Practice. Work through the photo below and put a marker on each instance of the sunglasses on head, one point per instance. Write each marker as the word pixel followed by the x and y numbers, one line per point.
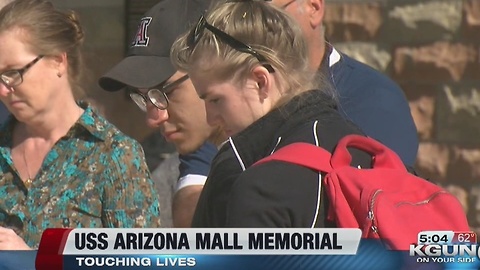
pixel 197 33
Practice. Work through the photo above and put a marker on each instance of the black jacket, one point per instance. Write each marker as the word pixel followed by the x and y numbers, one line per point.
pixel 273 194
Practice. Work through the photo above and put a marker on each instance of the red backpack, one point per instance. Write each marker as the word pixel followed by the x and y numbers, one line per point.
pixel 386 201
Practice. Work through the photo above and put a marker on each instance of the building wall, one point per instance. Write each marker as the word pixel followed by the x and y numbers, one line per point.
pixel 431 49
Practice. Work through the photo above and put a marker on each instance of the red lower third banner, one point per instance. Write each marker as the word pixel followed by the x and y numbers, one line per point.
pixel 50 252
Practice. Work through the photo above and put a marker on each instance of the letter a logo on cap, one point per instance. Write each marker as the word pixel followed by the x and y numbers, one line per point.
pixel 141 37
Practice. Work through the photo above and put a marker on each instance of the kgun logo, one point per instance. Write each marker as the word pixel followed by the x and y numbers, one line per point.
pixel 445 253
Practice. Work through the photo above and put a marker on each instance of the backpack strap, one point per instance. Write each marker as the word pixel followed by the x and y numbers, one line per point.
pixel 304 154
pixel 312 157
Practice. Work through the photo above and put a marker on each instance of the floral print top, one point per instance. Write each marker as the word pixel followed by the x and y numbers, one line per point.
pixel 94 176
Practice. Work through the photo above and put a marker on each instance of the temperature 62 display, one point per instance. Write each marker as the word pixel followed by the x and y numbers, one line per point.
pixel 446 237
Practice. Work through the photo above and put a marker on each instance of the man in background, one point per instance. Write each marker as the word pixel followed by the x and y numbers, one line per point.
pixel 366 97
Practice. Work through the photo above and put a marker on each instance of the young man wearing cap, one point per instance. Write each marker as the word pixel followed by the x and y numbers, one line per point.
pixel 170 102
pixel 368 98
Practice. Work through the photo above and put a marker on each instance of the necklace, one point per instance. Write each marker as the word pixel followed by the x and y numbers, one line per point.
pixel 29 180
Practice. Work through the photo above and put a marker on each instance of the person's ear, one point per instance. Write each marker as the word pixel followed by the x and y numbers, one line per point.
pixel 60 64
pixel 263 81
pixel 315 11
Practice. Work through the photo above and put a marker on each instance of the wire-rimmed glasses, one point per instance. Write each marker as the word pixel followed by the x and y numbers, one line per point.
pixel 157 95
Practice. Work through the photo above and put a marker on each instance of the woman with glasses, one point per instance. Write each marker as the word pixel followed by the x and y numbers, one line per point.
pixel 248 61
pixel 61 164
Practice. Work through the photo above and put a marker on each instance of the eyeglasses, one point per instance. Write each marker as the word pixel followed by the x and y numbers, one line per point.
pixel 197 33
pixel 158 97
pixel 14 77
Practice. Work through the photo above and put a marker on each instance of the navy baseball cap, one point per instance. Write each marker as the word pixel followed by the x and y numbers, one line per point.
pixel 147 63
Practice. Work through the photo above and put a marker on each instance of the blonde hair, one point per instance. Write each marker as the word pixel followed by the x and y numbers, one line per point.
pixel 48 31
pixel 268 30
